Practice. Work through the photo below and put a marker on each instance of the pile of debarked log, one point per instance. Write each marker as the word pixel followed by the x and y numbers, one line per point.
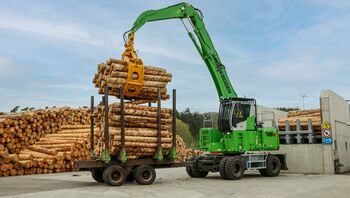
pixel 51 154
pixel 140 130
pixel 19 130
pixel 303 116
pixel 114 72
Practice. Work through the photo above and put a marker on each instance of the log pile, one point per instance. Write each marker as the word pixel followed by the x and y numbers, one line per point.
pixel 52 154
pixel 303 116
pixel 19 130
pixel 114 72
pixel 140 130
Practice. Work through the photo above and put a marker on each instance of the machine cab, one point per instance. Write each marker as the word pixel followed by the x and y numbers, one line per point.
pixel 234 114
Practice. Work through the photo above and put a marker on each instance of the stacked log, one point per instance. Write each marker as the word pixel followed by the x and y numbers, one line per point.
pixel 19 130
pixel 114 72
pixel 52 154
pixel 140 130
pixel 184 153
pixel 303 116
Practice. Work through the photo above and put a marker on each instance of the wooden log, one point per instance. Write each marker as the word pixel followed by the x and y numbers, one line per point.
pixel 142 139
pixel 4 154
pixel 25 157
pixel 133 119
pixel 141 132
pixel 147 77
pixel 42 150
pixel 140 124
pixel 140 107
pixel 142 144
pixel 143 113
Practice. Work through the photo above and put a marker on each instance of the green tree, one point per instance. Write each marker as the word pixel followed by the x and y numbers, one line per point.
pixel 194 120
pixel 14 110
pixel 183 130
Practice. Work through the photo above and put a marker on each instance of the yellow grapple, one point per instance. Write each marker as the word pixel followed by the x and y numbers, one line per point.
pixel 135 65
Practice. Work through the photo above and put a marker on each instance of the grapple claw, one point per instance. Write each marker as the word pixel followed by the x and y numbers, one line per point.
pixel 135 65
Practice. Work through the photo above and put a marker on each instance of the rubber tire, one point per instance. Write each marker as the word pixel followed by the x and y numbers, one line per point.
pixel 97 175
pixel 234 168
pixel 193 172
pixel 189 172
pixel 222 166
pixel 262 172
pixel 273 166
pixel 109 172
pixel 130 177
pixel 140 178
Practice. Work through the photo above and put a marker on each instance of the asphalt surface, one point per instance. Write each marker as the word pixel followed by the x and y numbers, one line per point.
pixel 175 183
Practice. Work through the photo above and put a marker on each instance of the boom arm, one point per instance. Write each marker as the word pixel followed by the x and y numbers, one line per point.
pixel 206 48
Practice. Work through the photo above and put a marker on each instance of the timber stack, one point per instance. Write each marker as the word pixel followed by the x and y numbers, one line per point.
pixel 303 116
pixel 140 130
pixel 19 130
pixel 51 154
pixel 114 72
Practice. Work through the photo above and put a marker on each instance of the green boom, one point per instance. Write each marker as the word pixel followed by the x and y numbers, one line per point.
pixel 205 48
pixel 227 138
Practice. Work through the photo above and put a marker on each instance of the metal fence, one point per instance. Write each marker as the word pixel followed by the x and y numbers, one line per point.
pixel 299 135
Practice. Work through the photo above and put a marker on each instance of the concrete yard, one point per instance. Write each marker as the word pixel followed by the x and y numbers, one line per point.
pixel 175 183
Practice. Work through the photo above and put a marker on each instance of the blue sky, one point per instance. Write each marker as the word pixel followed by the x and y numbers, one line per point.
pixel 273 50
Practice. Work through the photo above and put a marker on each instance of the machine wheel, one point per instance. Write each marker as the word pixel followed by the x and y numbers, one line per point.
pixel 193 172
pixel 234 168
pixel 273 166
pixel 189 172
pixel 222 166
pixel 97 175
pixel 144 174
pixel 114 175
pixel 262 172
pixel 130 177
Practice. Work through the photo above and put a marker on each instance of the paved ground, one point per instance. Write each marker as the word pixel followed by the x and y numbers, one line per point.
pixel 175 183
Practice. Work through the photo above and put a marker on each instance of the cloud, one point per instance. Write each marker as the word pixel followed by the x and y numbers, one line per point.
pixel 7 68
pixel 339 4
pixel 184 55
pixel 46 28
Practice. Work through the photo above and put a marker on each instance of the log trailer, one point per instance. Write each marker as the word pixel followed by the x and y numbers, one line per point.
pixel 240 143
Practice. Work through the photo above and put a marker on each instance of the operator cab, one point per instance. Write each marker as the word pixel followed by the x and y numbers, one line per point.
pixel 233 114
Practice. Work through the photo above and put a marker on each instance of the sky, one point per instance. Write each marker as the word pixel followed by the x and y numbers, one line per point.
pixel 274 51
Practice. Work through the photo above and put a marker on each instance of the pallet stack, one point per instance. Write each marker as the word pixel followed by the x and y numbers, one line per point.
pixel 114 72
pixel 51 154
pixel 303 116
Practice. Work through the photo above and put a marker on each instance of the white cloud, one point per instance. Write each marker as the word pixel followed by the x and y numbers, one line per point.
pixel 7 68
pixel 184 55
pixel 298 70
pixel 342 4
pixel 46 28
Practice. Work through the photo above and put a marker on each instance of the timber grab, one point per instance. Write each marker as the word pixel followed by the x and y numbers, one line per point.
pixel 135 65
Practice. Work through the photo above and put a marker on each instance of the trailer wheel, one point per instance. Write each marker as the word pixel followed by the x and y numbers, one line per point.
pixel 130 177
pixel 114 175
pixel 144 174
pixel 97 175
pixel 234 168
pixel 273 166
pixel 222 166
pixel 194 172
